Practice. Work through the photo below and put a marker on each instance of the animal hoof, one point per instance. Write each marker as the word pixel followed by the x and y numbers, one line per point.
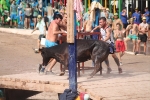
pixel 109 70
pixel 40 66
pixel 120 70
pixel 61 74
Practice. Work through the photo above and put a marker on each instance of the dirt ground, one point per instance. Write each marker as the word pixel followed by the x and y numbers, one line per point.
pixel 17 56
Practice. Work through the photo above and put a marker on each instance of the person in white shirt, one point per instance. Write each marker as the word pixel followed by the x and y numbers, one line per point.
pixel 42 28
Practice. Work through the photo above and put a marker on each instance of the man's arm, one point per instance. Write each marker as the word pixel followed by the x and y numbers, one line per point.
pixel 108 32
pixel 98 27
pixel 55 28
pixel 34 30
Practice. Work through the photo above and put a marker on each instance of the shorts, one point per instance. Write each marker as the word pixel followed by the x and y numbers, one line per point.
pixel 34 16
pixel 50 44
pixel 78 23
pixel 28 16
pixel 142 37
pixel 41 36
pixel 13 16
pixel 120 47
pixel 133 36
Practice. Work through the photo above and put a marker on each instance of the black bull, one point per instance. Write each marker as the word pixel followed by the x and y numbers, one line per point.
pixel 96 50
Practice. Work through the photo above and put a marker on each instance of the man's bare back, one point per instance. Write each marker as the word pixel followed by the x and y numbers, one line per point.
pixel 51 36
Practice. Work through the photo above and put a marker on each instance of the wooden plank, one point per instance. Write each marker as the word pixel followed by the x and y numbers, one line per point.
pixel 70 22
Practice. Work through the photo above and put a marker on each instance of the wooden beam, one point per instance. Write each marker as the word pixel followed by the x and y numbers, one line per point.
pixel 70 22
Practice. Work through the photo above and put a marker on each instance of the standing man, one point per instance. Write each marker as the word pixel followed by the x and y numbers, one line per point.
pixel 106 32
pixel 142 37
pixel 42 28
pixel 137 17
pixel 13 14
pixel 51 40
pixel 115 21
pixel 124 18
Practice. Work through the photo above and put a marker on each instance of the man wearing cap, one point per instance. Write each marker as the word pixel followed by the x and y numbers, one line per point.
pixel 42 28
pixel 110 15
pixel 115 21
pixel 142 37
pixel 137 17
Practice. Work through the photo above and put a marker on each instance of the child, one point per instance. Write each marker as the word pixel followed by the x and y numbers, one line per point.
pixel 120 46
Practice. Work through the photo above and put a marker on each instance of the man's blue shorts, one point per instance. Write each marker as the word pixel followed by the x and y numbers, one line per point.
pixel 50 44
pixel 13 16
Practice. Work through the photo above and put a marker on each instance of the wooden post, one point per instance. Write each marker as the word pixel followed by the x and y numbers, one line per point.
pixel 71 32
pixel 114 6
pixel 89 3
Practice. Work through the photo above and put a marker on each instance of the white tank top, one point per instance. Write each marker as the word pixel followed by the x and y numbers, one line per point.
pixel 103 34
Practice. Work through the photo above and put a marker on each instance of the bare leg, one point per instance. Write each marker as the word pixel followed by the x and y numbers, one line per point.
pixel 145 45
pixel 26 23
pixel 34 22
pixel 38 44
pixel 52 63
pixel 138 45
pixel 10 23
pixel 15 24
pixel 119 56
pixel 125 42
pixel 134 45
pixel 117 62
pixel 108 66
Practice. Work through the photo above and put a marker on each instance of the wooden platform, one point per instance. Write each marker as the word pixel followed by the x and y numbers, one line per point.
pixel 99 87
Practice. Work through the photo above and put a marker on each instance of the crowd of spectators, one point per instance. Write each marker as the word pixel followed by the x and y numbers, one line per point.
pixel 23 13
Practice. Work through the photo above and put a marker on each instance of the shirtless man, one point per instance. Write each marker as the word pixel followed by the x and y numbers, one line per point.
pixel 51 39
pixel 142 37
pixel 63 27
pixel 131 34
pixel 115 21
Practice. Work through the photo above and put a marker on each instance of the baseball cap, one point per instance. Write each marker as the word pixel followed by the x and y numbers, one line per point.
pixel 115 14
pixel 136 8
pixel 107 9
pixel 39 16
pixel 143 18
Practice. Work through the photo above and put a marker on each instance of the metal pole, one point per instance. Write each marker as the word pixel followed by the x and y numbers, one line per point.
pixel 120 7
pixel 101 2
pixel 110 6
pixel 137 3
pixel 146 3
pixel 141 6
pixel 127 3
pixel 85 3
pixel 105 3
pixel 114 6
pixel 132 6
